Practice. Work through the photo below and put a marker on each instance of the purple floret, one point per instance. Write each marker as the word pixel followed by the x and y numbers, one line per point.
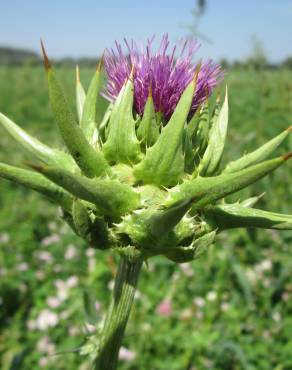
pixel 166 74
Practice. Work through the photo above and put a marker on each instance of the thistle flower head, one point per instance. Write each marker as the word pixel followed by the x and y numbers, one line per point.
pixel 136 186
pixel 164 73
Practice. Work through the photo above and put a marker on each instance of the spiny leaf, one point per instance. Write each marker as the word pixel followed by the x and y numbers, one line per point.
pixel 81 219
pixel 35 147
pixel 91 228
pixel 148 130
pixel 188 152
pixel 258 155
pixel 88 121
pixel 249 202
pixel 201 129
pixel 104 124
pixel 164 161
pixel 37 182
pixel 193 124
pixel 110 197
pixel 213 154
pixel 122 145
pixel 157 229
pixel 195 250
pixel 91 162
pixel 210 189
pixel 80 95
pixel 228 216
pixel 163 221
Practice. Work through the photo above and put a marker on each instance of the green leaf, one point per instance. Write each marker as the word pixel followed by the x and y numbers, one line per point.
pixel 91 162
pixel 258 155
pixel 249 202
pixel 156 230
pixel 195 250
pixel 188 152
pixel 88 121
pixel 200 127
pixel 110 196
pixel 243 282
pixel 164 161
pixel 80 95
pixel 104 123
pixel 148 130
pixel 81 219
pixel 35 147
pixel 91 315
pixel 122 145
pixel 207 190
pixel 163 221
pixel 213 154
pixel 37 182
pixel 193 124
pixel 91 228
pixel 228 216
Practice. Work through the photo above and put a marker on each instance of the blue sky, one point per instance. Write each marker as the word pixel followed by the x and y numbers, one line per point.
pixel 86 27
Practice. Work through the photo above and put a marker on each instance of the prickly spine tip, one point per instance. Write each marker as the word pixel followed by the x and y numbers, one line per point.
pixel 287 156
pixel 100 63
pixel 47 63
pixel 131 76
pixel 150 91
pixel 34 166
pixel 197 71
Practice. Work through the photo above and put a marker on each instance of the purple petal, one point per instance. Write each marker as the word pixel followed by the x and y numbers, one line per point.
pixel 166 74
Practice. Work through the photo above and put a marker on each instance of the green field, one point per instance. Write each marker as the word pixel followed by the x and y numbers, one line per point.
pixel 231 309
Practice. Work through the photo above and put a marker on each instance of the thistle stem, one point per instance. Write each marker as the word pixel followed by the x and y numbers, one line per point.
pixel 118 314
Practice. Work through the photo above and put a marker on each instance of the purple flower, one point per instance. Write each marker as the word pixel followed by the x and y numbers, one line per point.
pixel 164 74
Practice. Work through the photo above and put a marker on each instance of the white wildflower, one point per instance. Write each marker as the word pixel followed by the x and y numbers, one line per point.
pixel 72 281
pixel 199 302
pixel 71 252
pixel 4 238
pixel 90 252
pixel 31 325
pixel 46 319
pixel 186 269
pixel 126 355
pixel 276 316
pixel 23 266
pixel 225 306
pixel 43 361
pixel 51 239
pixel 53 302
pixel 211 296
pixel 45 345
pixel 44 256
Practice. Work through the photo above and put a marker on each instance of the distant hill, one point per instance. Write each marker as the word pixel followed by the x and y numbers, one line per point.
pixel 17 56
pixel 9 55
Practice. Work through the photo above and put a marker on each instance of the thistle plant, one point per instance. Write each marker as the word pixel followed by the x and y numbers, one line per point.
pixel 147 178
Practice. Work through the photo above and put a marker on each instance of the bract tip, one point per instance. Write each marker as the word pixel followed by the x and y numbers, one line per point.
pixel 287 156
pixel 46 59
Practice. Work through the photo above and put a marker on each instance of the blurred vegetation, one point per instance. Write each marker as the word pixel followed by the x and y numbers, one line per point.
pixel 230 310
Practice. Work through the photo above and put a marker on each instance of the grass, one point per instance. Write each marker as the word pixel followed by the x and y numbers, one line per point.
pixel 231 309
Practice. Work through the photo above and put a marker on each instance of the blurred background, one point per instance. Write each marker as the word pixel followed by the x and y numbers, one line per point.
pixel 232 308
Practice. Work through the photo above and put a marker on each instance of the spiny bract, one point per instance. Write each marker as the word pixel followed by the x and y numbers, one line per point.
pixel 143 183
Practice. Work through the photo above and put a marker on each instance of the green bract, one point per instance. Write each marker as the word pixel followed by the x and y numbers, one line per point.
pixel 136 186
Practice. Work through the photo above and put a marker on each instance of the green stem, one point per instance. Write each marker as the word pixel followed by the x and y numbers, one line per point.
pixel 118 314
